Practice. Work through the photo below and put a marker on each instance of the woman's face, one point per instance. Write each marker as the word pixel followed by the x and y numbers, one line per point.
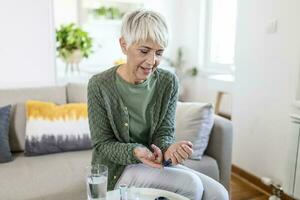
pixel 142 59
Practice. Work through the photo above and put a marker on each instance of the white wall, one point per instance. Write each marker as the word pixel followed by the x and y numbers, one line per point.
pixel 27 43
pixel 266 71
pixel 65 11
pixel 186 31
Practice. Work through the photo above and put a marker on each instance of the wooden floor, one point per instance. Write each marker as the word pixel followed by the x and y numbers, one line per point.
pixel 240 190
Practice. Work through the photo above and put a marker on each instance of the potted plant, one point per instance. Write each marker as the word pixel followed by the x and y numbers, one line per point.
pixel 178 64
pixel 108 12
pixel 73 44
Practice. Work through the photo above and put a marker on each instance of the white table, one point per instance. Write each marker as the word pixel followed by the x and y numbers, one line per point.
pixel 146 194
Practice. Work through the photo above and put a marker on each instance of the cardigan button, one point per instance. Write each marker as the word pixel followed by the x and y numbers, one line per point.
pixel 115 177
pixel 126 124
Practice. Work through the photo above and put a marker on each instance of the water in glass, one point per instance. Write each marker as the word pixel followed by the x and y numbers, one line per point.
pixel 96 187
pixel 96 182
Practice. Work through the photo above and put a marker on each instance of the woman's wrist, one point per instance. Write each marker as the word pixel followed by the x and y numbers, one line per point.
pixel 135 151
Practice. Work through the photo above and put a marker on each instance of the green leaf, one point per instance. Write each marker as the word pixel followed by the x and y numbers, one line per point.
pixel 69 37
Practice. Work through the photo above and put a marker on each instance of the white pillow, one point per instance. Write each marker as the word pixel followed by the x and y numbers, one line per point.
pixel 194 122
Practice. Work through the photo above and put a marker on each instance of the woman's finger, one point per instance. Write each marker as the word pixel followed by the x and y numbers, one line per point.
pixel 157 152
pixel 187 149
pixel 151 163
pixel 174 160
pixel 182 153
pixel 179 159
pixel 185 142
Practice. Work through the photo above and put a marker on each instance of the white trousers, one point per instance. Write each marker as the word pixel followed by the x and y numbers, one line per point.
pixel 179 179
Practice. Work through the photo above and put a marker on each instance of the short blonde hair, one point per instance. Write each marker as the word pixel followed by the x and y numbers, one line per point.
pixel 141 25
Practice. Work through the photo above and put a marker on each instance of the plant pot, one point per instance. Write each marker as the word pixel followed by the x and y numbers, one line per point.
pixel 73 60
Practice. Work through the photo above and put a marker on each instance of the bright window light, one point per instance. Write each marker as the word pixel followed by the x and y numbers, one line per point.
pixel 221 33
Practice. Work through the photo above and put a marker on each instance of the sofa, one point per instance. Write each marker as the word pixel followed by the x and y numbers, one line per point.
pixel 62 175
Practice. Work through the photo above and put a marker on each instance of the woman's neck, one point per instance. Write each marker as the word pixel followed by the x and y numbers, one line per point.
pixel 127 75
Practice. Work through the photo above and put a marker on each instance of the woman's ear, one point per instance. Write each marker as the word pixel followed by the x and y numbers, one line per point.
pixel 123 45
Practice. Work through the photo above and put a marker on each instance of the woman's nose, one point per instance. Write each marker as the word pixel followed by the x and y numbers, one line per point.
pixel 151 59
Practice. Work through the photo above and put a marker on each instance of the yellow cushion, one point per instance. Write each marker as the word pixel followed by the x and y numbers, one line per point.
pixel 52 128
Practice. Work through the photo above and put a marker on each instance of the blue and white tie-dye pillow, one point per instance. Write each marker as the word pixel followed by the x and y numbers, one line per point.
pixel 52 128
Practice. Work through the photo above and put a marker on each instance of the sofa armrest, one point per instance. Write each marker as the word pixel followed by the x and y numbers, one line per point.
pixel 220 148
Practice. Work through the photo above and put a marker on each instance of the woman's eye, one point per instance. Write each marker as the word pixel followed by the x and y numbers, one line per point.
pixel 159 53
pixel 144 51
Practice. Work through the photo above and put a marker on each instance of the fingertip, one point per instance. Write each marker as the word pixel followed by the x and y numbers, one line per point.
pixel 190 144
pixel 173 159
pixel 157 166
pixel 156 147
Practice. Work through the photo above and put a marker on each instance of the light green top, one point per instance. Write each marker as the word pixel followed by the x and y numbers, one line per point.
pixel 136 98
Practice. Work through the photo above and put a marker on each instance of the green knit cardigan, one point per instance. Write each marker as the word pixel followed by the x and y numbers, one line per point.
pixel 109 119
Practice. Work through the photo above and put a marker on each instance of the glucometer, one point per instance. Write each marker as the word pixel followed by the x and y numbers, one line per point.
pixel 167 163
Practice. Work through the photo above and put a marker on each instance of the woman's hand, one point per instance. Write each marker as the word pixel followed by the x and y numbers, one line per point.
pixel 179 152
pixel 147 157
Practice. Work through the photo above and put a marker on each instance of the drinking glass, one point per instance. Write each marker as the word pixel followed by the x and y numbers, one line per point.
pixel 96 182
pixel 130 193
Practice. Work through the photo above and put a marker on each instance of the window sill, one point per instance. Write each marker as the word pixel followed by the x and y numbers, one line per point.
pixel 222 77
pixel 295 118
pixel 221 82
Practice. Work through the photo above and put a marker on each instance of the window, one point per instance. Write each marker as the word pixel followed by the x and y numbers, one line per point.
pixel 220 27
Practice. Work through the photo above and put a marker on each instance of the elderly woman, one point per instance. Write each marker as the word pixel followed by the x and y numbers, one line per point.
pixel 132 116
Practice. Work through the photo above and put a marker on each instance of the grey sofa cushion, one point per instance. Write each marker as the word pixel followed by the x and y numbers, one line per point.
pixel 194 122
pixel 17 98
pixel 5 154
pixel 76 93
pixel 54 176
pixel 207 165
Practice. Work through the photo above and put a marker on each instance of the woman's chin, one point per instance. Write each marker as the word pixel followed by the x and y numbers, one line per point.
pixel 143 76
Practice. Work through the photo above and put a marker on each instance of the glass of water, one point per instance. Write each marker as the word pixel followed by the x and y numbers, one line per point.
pixel 128 193
pixel 96 182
